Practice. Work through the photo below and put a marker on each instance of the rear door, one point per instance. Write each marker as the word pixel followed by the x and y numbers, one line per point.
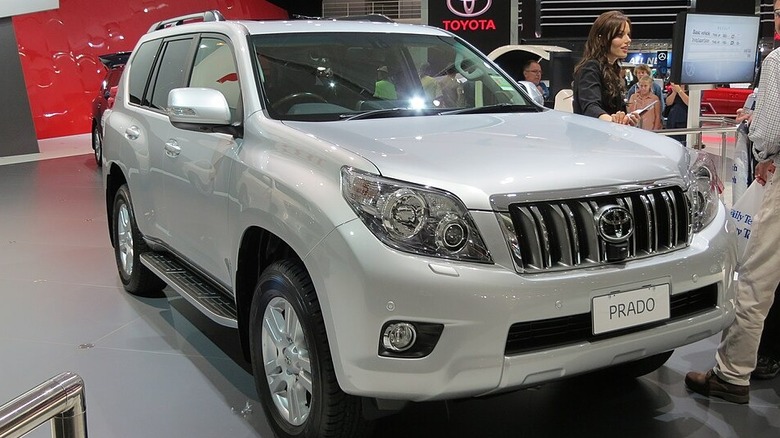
pixel 127 138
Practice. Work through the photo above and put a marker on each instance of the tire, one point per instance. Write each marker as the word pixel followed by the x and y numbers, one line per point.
pixel 287 334
pixel 129 244
pixel 97 144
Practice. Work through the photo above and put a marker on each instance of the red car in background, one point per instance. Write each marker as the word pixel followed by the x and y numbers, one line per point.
pixel 114 63
pixel 723 101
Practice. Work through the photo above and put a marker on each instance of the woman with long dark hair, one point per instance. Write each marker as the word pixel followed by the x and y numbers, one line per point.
pixel 598 83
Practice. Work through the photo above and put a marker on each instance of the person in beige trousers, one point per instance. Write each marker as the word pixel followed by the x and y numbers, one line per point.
pixel 759 276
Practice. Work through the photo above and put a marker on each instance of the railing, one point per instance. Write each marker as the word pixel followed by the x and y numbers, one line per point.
pixel 397 10
pixel 726 126
pixel 60 399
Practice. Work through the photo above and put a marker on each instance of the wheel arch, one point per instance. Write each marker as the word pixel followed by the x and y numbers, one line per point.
pixel 259 248
pixel 114 180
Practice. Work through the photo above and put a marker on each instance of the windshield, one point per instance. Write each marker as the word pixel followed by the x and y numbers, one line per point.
pixel 337 76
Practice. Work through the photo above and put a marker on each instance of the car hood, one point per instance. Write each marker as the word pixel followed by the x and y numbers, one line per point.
pixel 480 155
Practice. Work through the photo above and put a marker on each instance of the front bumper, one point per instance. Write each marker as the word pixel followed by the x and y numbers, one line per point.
pixel 362 284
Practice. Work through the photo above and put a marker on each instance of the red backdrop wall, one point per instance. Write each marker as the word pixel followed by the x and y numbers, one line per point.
pixel 59 50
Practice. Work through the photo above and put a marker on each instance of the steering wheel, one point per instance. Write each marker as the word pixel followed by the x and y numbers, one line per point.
pixel 288 101
pixel 472 75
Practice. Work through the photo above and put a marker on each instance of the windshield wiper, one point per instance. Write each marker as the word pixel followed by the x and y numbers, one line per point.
pixel 389 112
pixel 497 108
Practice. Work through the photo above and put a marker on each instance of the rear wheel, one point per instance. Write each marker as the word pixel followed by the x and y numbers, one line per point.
pixel 97 144
pixel 128 247
pixel 291 360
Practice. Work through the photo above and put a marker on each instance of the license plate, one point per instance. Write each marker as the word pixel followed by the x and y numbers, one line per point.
pixel 631 308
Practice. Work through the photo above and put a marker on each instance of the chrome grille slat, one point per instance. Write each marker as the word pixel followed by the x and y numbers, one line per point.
pixel 630 207
pixel 592 240
pixel 544 237
pixel 574 234
pixel 656 224
pixel 562 234
pixel 558 224
pixel 528 229
pixel 593 207
pixel 670 208
pixel 647 244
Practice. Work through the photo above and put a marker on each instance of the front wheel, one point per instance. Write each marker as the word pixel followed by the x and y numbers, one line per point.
pixel 128 247
pixel 291 360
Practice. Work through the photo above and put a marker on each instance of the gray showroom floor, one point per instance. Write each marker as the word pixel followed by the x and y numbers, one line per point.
pixel 156 368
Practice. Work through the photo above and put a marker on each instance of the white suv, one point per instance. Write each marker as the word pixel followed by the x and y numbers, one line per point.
pixel 384 216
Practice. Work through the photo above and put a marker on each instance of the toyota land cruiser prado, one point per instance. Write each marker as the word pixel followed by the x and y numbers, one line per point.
pixel 445 238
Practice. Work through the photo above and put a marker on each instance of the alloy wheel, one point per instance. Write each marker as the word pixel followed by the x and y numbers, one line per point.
pixel 124 233
pixel 286 361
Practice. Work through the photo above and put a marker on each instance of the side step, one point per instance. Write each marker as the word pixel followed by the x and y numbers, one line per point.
pixel 207 298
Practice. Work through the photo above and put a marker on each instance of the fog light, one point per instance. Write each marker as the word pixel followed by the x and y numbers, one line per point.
pixel 399 336
pixel 408 340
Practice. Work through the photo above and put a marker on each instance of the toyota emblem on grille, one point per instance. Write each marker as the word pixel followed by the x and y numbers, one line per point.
pixel 614 223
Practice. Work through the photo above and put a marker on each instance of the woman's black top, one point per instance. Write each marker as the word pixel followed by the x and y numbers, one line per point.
pixel 590 96
pixel 678 113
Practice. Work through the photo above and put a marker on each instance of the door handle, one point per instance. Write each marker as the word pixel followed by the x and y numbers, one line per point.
pixel 132 132
pixel 172 148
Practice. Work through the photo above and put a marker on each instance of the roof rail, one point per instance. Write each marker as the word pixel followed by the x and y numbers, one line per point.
pixel 184 19
pixel 377 18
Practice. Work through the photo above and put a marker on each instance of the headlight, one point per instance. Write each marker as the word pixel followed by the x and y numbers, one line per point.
pixel 415 219
pixel 703 190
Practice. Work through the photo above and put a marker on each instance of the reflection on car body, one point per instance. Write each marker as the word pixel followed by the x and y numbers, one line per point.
pixel 114 64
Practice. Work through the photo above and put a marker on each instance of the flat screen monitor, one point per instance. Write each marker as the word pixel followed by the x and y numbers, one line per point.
pixel 714 49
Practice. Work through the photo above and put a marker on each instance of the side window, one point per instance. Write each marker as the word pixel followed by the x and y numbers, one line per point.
pixel 142 63
pixel 171 72
pixel 215 67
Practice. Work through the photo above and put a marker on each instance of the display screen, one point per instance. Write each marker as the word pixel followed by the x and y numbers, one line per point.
pixel 714 49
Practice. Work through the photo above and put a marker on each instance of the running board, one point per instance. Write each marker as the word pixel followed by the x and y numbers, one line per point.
pixel 207 298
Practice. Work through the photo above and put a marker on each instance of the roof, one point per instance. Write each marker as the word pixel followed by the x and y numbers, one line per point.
pixel 302 26
pixel 259 27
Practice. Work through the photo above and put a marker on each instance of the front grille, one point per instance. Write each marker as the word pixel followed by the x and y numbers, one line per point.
pixel 529 336
pixel 562 234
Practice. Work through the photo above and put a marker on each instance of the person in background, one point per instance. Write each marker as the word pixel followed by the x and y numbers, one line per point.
pixel 651 119
pixel 677 117
pixel 768 362
pixel 641 71
pixel 452 90
pixel 384 89
pixel 736 356
pixel 429 84
pixel 598 78
pixel 532 72
pixel 629 77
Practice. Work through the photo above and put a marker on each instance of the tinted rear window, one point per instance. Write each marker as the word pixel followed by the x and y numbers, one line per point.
pixel 139 70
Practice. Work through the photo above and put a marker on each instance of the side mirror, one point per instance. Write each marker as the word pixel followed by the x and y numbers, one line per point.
pixel 531 90
pixel 190 107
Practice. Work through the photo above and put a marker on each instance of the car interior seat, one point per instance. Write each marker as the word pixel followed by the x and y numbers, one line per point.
pixel 564 101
